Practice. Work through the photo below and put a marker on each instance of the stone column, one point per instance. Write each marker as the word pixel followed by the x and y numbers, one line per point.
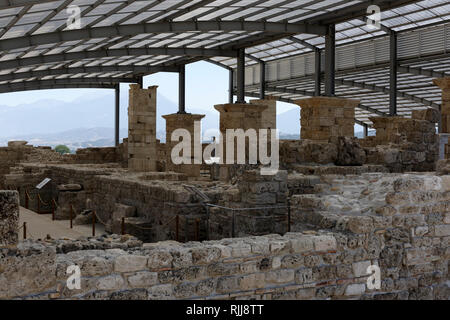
pixel 9 218
pixel 184 121
pixel 326 117
pixel 269 115
pixel 142 152
pixel 238 116
pixel 444 84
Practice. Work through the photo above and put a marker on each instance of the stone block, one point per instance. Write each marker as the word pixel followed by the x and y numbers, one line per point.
pixel 324 243
pixel 355 289
pixel 130 263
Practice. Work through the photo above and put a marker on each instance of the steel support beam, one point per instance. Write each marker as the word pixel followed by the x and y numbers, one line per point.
pixel 30 85
pixel 318 72
pixel 131 30
pixel 241 76
pixel 262 80
pixel 366 130
pixel 86 70
pixel 97 54
pixel 330 61
pixel 117 115
pixel 230 85
pixel 182 90
pixel 385 90
pixel 393 73
pixel 311 94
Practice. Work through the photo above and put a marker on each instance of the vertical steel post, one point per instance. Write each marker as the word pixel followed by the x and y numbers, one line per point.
pixel 117 116
pixel 182 90
pixel 330 60
pixel 393 74
pixel 230 86
pixel 241 76
pixel 141 82
pixel 262 80
pixel 318 72
pixel 366 130
pixel 24 230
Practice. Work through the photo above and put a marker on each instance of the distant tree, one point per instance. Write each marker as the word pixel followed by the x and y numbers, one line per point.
pixel 62 149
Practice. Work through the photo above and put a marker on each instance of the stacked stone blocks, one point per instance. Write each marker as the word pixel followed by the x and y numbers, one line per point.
pixel 325 117
pixel 187 122
pixel 142 149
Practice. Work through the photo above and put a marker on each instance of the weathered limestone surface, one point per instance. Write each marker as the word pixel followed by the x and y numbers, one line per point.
pixel 325 117
pixel 184 121
pixel 9 218
pixel 269 115
pixel 301 265
pixel 403 144
pixel 240 116
pixel 265 196
pixel 142 150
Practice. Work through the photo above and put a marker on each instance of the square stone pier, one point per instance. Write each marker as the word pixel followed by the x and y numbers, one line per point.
pixel 142 148
pixel 326 117
pixel 191 123
pixel 241 116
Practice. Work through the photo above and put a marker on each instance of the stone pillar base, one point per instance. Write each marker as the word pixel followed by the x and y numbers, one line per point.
pixel 184 121
pixel 326 117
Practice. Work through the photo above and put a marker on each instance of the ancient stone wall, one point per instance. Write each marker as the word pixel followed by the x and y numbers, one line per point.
pixel 156 197
pixel 9 217
pixel 97 155
pixel 403 144
pixel 402 221
pixel 308 265
pixel 256 207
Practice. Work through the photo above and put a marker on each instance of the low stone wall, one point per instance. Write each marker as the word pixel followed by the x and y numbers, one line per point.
pixel 308 265
pixel 97 155
pixel 9 217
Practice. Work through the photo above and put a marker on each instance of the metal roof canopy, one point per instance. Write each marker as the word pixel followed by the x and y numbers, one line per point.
pixel 122 40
